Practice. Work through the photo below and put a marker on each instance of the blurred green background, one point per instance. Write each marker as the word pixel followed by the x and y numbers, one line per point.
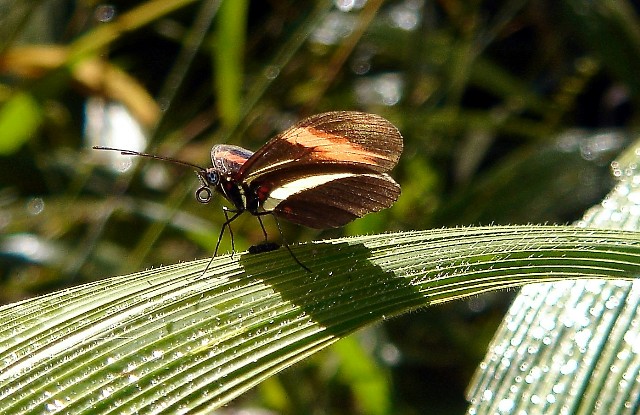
pixel 511 113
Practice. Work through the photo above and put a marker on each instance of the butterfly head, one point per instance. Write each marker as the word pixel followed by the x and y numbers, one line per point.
pixel 209 178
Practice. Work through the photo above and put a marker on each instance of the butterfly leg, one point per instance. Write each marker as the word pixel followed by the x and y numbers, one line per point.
pixel 264 231
pixel 226 224
pixel 284 241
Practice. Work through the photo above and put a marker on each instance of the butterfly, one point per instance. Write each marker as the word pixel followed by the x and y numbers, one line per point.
pixel 322 172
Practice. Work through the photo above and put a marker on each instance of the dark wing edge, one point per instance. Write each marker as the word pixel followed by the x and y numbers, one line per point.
pixel 339 137
pixel 340 201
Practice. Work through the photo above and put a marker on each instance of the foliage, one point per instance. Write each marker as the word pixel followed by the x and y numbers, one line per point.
pixel 178 339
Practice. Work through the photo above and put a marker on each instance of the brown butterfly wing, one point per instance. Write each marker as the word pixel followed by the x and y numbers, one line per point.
pixel 339 201
pixel 341 137
pixel 326 170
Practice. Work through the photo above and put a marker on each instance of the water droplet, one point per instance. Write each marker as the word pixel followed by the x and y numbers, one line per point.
pixel 349 5
pixel 55 405
pixel 106 392
pixel 385 89
pixel 406 15
pixel 361 66
pixel 35 206
pixel 105 13
pixel 334 27
pixel 505 405
pixel 271 72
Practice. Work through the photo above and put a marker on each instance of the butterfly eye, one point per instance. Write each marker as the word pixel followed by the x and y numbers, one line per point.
pixel 212 177
pixel 203 194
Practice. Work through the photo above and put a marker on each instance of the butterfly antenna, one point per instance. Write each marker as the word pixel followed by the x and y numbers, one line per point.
pixel 151 156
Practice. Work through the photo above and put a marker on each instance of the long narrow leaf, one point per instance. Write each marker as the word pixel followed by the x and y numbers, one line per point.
pixel 174 340
pixel 572 347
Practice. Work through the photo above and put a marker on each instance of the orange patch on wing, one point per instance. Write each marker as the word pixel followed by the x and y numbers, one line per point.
pixel 231 156
pixel 331 147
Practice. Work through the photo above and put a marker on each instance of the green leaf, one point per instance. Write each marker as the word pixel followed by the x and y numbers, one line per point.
pixel 20 118
pixel 174 340
pixel 570 347
pixel 228 58
pixel 368 382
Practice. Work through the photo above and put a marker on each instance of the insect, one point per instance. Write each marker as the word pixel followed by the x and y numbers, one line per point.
pixel 322 172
